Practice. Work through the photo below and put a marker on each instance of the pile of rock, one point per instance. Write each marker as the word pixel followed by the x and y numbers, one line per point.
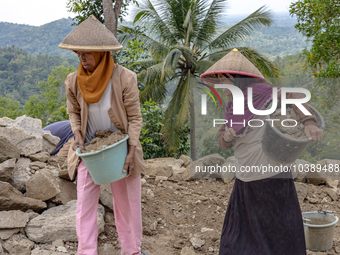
pixel 36 205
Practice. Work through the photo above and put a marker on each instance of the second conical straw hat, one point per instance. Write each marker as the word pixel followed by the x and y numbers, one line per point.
pixel 90 35
pixel 232 63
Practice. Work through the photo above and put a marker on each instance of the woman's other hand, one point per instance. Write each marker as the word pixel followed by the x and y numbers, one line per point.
pixel 78 141
pixel 130 161
pixel 313 133
pixel 229 135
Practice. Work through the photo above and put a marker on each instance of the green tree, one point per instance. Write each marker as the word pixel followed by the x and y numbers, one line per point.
pixel 50 106
pixel 100 8
pixel 151 137
pixel 10 108
pixel 184 40
pixel 319 21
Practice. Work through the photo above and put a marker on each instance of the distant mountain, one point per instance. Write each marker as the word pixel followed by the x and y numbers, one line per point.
pixel 35 40
pixel 279 39
pixel 279 18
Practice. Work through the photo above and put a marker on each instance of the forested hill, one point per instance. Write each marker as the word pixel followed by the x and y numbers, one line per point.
pixel 279 39
pixel 35 40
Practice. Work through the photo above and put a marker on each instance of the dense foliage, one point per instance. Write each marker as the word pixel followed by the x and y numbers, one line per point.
pixel 50 105
pixel 20 72
pixel 319 21
pixel 151 137
pixel 86 8
pixel 277 40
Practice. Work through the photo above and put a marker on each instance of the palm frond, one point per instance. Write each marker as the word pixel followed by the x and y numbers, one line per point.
pixel 187 54
pixel 156 49
pixel 255 21
pixel 210 21
pixel 170 63
pixel 177 113
pixel 154 88
pixel 156 20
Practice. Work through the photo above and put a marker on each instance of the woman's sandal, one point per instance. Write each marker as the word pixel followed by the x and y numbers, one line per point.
pixel 142 253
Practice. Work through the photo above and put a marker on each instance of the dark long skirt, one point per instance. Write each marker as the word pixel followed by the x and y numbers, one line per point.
pixel 263 218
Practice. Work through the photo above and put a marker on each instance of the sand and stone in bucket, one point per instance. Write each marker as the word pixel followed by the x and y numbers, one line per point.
pixel 103 139
pixel 105 156
pixel 297 132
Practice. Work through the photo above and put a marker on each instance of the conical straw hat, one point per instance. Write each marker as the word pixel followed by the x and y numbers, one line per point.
pixel 232 63
pixel 90 35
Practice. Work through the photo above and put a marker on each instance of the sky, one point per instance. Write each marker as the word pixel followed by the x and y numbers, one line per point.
pixel 39 12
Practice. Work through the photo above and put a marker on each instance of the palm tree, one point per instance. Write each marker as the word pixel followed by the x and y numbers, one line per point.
pixel 184 39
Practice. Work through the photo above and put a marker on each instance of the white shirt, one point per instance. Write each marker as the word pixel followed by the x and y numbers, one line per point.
pixel 98 118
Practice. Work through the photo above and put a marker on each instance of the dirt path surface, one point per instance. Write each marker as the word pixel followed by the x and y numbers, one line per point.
pixel 190 212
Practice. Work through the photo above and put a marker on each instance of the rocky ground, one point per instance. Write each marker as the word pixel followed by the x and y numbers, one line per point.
pixel 183 212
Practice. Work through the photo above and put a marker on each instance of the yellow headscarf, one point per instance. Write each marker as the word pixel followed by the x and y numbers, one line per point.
pixel 93 84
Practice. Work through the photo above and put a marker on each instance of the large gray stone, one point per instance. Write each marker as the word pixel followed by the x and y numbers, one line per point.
pixel 27 135
pixel 58 223
pixel 21 174
pixel 18 244
pixel 13 219
pixel 49 142
pixel 68 192
pixel 229 169
pixel 13 199
pixel 186 160
pixel 162 166
pixel 36 165
pixel 7 233
pixel 6 169
pixel 41 156
pixel 106 197
pixel 298 171
pixel 301 190
pixel 43 186
pixel 332 166
pixel 7 149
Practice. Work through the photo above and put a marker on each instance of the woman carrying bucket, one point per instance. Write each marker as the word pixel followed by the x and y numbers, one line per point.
pixel 263 215
pixel 102 95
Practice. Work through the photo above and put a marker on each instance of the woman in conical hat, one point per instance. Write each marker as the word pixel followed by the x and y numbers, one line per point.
pixel 102 95
pixel 263 214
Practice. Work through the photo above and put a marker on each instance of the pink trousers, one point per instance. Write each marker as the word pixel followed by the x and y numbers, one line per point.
pixel 126 207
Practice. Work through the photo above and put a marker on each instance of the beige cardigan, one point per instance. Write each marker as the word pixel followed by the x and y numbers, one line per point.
pixel 124 113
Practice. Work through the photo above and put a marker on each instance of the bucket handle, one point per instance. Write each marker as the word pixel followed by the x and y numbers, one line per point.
pixel 325 211
pixel 305 219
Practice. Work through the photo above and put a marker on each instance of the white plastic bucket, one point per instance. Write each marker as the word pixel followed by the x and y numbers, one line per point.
pixel 319 229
